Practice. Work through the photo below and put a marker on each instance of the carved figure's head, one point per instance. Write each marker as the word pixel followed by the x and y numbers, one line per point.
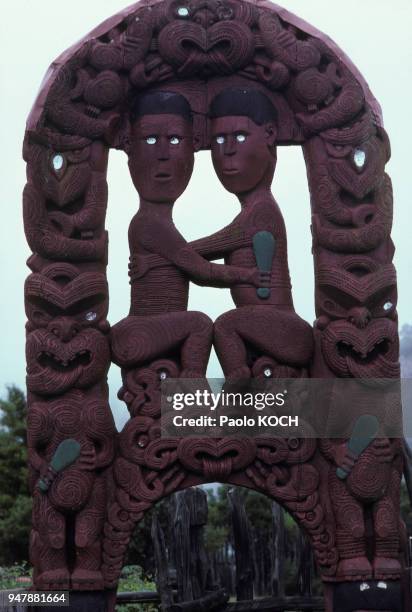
pixel 357 308
pixel 66 343
pixel 161 155
pixel 243 139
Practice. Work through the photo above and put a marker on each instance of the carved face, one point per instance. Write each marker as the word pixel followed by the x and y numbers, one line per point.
pixel 56 363
pixel 358 315
pixel 83 299
pixel 63 176
pixel 161 157
pixel 358 294
pixel 241 153
pixel 63 307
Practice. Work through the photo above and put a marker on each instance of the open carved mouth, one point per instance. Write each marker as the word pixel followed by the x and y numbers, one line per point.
pixel 49 360
pixel 163 176
pixel 346 349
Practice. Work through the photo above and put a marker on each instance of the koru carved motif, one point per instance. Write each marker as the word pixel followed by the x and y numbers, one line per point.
pixel 160 81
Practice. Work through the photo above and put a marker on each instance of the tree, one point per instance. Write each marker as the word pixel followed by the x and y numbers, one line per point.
pixel 15 501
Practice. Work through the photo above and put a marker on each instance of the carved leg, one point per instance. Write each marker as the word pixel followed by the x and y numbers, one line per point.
pixel 267 329
pixel 89 523
pixel 137 340
pixel 386 563
pixel 350 532
pixel 47 546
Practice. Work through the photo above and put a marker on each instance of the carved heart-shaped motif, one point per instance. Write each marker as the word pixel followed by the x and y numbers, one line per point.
pixel 86 285
pixel 224 47
pixel 216 458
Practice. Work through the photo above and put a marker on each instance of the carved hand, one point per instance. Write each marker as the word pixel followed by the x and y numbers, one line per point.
pixel 382 449
pixel 88 458
pixel 344 458
pixel 259 278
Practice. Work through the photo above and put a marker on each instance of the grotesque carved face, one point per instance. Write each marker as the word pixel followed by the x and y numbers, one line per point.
pixel 358 294
pixel 358 316
pixel 67 312
pixel 242 153
pixel 161 157
pixel 63 176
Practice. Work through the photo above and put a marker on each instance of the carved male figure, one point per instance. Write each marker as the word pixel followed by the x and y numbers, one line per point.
pixel 66 538
pixel 358 335
pixel 161 161
pixel 244 157
pixel 67 354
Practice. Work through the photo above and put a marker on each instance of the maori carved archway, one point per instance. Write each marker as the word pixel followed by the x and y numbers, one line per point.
pixel 203 68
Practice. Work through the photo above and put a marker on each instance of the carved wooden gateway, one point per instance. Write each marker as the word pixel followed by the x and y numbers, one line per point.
pixel 161 80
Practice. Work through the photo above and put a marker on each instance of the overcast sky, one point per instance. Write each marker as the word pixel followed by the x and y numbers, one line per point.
pixel 373 33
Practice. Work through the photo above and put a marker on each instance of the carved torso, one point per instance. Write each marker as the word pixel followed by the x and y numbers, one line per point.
pixel 157 286
pixel 265 215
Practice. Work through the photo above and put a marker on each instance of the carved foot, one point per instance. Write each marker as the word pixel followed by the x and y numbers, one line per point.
pixel 87 580
pixel 358 568
pixel 53 580
pixel 386 568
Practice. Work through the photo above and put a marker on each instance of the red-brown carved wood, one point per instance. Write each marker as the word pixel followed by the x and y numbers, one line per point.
pixel 161 80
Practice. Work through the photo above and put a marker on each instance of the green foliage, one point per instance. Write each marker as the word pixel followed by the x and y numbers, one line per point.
pixel 132 580
pixel 9 576
pixel 258 509
pixel 15 502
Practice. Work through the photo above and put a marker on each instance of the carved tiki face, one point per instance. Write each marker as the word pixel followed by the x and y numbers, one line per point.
pixel 62 173
pixel 161 157
pixel 66 317
pixel 357 309
pixel 241 152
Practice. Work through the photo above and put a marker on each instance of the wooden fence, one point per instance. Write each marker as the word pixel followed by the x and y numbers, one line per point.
pixel 251 569
pixel 190 579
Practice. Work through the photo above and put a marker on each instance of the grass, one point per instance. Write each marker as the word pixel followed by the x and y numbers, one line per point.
pixel 131 580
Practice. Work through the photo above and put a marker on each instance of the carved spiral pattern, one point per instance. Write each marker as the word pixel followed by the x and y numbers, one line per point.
pixel 320 103
pixel 105 90
pixel 313 87
pixel 71 490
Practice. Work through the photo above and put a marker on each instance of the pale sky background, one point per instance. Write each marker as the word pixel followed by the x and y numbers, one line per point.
pixel 375 34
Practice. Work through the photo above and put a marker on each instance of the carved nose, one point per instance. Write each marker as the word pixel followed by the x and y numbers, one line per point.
pixel 360 317
pixel 64 328
pixel 163 150
pixel 230 147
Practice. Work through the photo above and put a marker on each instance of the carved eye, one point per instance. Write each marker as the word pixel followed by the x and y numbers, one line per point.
pixel 329 305
pixel 241 137
pixel 143 441
pixel 151 140
pixel 387 306
pixel 90 316
pixel 183 11
pixel 220 140
pixel 57 161
pixel 175 140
